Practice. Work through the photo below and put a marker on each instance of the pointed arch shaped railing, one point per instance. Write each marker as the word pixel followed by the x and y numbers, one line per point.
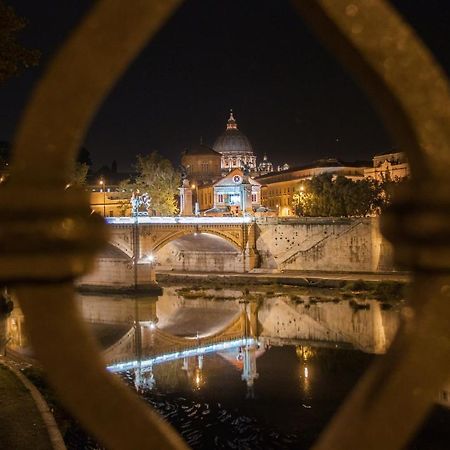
pixel 42 255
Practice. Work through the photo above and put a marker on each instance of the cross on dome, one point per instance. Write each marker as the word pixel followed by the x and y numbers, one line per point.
pixel 231 125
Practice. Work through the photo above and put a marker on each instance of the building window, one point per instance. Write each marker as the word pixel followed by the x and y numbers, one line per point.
pixel 254 198
pixel 220 198
pixel 205 167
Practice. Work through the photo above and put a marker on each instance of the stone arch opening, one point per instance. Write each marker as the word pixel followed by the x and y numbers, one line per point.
pixel 199 252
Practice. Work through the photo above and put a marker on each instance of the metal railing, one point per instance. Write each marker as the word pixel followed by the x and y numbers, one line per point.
pixel 43 255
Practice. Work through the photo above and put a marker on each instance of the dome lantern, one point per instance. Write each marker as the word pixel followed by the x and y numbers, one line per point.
pixel 231 124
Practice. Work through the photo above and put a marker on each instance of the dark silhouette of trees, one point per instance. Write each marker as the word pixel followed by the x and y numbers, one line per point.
pixel 14 57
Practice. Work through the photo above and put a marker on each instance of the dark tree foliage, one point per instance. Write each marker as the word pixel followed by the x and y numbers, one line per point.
pixel 326 196
pixel 84 157
pixel 5 150
pixel 14 58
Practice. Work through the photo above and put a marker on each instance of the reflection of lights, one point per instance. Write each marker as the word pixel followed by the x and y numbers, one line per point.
pixel 152 326
pixel 304 352
pixel 305 380
pixel 220 346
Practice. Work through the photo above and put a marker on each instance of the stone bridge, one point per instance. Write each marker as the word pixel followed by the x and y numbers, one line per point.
pixel 239 244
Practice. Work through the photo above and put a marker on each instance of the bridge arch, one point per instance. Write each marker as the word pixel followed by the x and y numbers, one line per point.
pixel 194 232
pixel 208 251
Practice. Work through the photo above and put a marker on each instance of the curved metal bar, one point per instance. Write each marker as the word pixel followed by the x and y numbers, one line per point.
pixel 104 405
pixel 47 234
pixel 412 94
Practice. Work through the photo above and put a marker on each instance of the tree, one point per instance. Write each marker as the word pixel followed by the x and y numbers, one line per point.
pixel 84 157
pixel 78 175
pixel 157 177
pixel 326 196
pixel 14 58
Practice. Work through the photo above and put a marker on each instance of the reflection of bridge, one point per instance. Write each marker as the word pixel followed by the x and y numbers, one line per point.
pixel 145 346
pixel 148 328
pixel 153 341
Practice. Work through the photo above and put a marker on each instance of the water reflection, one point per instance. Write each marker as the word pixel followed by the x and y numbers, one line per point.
pixel 234 369
pixel 138 334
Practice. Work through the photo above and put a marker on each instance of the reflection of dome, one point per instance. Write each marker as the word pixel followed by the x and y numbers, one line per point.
pixel 232 140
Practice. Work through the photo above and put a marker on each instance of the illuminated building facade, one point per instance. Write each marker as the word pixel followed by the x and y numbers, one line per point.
pixel 279 187
pixel 233 194
pixel 390 166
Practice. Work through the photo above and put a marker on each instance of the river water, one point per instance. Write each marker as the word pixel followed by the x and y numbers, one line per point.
pixel 264 367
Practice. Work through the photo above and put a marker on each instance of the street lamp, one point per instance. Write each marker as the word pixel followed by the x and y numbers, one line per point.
pixel 197 206
pixel 101 182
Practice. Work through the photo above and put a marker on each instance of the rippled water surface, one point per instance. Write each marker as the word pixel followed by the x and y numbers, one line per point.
pixel 307 350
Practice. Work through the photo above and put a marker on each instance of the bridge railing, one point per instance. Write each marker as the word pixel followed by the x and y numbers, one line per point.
pixel 179 220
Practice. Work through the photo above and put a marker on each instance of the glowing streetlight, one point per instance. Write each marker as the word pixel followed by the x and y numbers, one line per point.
pixel 101 183
pixel 197 207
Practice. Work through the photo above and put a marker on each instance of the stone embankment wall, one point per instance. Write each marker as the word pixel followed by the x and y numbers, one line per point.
pixel 323 244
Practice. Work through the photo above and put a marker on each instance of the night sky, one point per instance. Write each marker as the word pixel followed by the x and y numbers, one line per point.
pixel 289 96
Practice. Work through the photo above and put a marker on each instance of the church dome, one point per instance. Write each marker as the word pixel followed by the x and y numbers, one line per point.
pixel 232 140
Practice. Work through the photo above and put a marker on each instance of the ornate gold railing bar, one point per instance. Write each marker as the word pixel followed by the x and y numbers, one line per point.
pixel 412 95
pixel 47 235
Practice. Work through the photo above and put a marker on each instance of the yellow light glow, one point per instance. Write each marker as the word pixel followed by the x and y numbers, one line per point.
pixel 305 372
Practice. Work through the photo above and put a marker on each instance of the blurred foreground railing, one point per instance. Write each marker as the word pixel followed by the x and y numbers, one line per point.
pixel 41 256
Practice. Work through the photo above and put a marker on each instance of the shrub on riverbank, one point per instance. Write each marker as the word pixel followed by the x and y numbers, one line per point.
pixel 389 290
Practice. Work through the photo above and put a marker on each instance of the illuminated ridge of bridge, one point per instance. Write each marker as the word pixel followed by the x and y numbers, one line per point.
pixel 158 346
pixel 172 356
pixel 178 220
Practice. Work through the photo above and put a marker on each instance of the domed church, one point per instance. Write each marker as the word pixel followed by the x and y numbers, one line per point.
pixel 235 148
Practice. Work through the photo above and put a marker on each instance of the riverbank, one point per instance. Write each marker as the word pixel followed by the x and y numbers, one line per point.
pixel 25 419
pixel 304 278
